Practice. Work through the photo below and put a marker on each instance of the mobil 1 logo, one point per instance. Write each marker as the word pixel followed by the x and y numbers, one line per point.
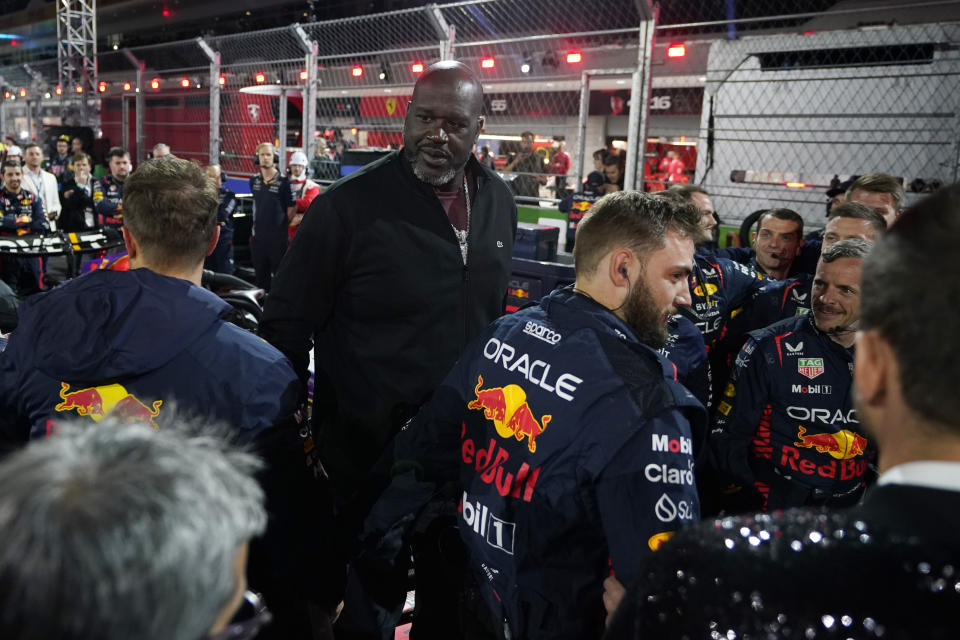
pixel 498 533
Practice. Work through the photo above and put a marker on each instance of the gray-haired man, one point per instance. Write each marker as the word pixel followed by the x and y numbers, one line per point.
pixel 117 531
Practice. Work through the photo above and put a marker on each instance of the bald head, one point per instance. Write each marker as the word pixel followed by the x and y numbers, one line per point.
pixel 443 122
pixel 451 73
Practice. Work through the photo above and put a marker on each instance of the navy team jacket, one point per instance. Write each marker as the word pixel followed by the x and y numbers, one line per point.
pixel 131 344
pixel 787 413
pixel 574 448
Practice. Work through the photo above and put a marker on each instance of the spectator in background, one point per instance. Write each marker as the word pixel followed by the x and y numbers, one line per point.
pixel 14 155
pixel 118 531
pixel 304 190
pixel 76 146
pixel 221 260
pixel 108 191
pixel 42 184
pixel 613 169
pixel 673 167
pixel 486 157
pixel 60 164
pixel 526 162
pixel 596 177
pixel 560 166
pixel 76 197
pixel 273 209
pixel 159 150
pixel 881 192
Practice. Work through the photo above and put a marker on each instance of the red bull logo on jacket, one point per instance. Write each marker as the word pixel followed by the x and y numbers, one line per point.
pixel 109 400
pixel 842 445
pixel 510 413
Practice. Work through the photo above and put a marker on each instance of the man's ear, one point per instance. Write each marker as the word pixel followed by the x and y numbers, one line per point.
pixel 871 369
pixel 133 250
pixel 214 240
pixel 620 262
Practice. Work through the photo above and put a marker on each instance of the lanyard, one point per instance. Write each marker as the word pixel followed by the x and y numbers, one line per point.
pixel 38 187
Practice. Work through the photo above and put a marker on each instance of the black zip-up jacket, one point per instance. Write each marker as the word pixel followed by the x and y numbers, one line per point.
pixel 786 423
pixel 375 276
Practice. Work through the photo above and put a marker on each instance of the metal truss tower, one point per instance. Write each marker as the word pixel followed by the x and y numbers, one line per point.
pixel 77 50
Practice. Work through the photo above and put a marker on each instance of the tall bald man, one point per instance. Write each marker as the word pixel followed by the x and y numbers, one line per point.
pixel 394 270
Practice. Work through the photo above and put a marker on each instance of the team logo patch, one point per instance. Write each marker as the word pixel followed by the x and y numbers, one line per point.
pixel 510 413
pixel 711 289
pixel 109 400
pixel 798 348
pixel 810 367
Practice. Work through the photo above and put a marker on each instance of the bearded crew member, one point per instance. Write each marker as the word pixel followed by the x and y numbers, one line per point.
pixel 273 209
pixel 568 436
pixel 786 426
pixel 108 192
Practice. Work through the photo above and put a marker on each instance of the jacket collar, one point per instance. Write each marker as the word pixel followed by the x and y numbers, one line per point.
pixel 565 304
pixel 810 326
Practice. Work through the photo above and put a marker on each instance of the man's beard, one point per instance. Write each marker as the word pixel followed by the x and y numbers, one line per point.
pixel 641 314
pixel 422 172
pixel 435 180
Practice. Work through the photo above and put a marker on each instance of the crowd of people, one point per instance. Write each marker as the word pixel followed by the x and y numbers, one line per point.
pixel 687 442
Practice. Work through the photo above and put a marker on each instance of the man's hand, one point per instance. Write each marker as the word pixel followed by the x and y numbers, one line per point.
pixel 613 593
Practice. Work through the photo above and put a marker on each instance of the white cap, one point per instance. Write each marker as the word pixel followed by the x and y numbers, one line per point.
pixel 299 158
pixel 14 150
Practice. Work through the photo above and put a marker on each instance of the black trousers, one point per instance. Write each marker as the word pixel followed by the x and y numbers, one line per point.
pixel 267 251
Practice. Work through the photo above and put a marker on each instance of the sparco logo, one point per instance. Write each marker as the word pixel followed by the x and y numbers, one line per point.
pixel 665 444
pixel 541 332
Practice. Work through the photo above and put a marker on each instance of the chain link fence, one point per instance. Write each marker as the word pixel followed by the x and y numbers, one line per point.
pixel 749 99
pixel 786 119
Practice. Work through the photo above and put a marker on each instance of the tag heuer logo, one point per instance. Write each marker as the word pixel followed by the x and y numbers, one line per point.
pixel 810 367
pixel 794 349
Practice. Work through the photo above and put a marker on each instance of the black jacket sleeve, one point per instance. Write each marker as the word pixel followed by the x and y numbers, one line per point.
pixel 305 288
